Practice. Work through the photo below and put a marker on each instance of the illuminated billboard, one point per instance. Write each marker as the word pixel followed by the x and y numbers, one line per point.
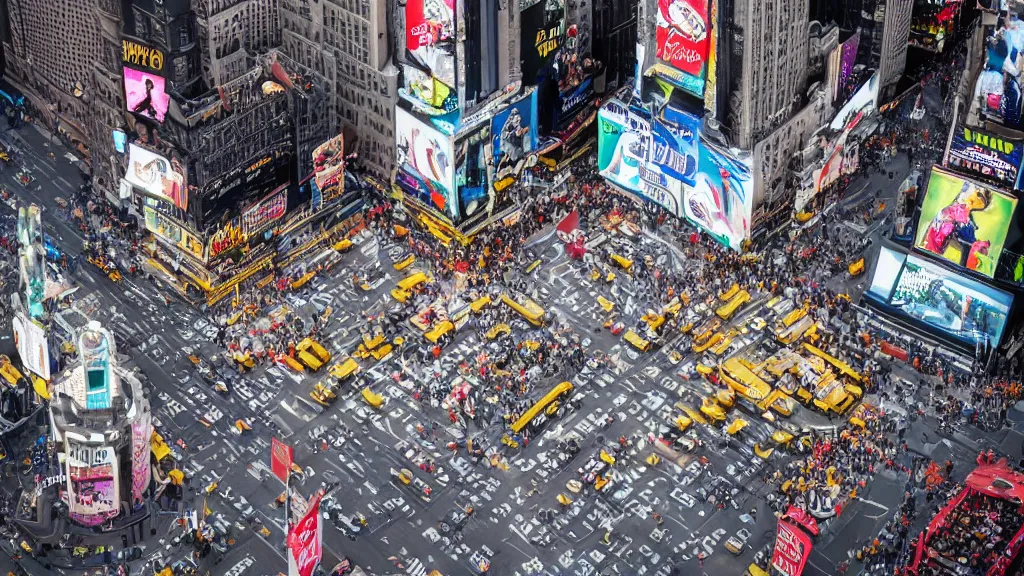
pixel 864 101
pixel 430 41
pixel 92 472
pixel 624 142
pixel 792 549
pixel 425 164
pixel 145 94
pixel 964 308
pixel 711 83
pixel 980 153
pixel 329 167
pixel 141 432
pixel 30 340
pixel 683 40
pixel 722 200
pixel 514 134
pixel 157 175
pixel 166 228
pixel 542 33
pixel 964 222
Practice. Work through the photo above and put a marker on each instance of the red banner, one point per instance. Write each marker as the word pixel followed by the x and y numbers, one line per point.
pixel 281 456
pixel 792 549
pixel 894 351
pixel 684 35
pixel 305 542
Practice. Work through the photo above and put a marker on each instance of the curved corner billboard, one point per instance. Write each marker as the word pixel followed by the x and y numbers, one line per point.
pixel 964 222
pixel 93 494
pixel 157 175
pixel 426 164
pixel 683 39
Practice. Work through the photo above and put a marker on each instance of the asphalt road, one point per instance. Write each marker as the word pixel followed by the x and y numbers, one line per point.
pixel 517 525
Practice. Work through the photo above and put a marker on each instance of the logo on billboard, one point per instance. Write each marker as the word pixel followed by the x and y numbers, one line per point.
pixel 136 54
pixel 683 41
pixel 792 548
pixel 305 541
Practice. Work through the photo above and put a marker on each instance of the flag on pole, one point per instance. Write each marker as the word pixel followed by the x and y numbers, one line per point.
pixel 281 456
pixel 305 541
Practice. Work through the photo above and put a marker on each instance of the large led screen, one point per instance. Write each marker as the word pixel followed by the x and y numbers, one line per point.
pixel 92 482
pixel 430 40
pixel 864 101
pixel 157 175
pixel 722 200
pixel 683 38
pixel 979 153
pixel 887 269
pixel 329 167
pixel 542 33
pixel 145 94
pixel 426 164
pixel 514 131
pixel 964 222
pixel 30 340
pixel 964 308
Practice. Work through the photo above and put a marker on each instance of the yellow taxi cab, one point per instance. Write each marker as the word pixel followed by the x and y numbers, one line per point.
pixel 408 285
pixel 605 304
pixel 405 262
pixel 343 245
pixel 314 348
pixel 736 426
pixel 794 315
pixel 654 321
pixel 533 313
pixel 805 327
pixel 244 361
pixel 743 381
pixel 291 363
pixel 532 266
pixel 344 370
pixel 728 294
pixel 683 422
pixel 372 399
pixel 699 346
pixel 710 408
pixel 779 402
pixel 303 280
pixel 754 570
pixel 731 306
pixel 441 332
pixel 622 262
pixel 723 345
pixel 706 330
pixel 324 393
pixel 480 303
pixel 637 341
pixel 725 397
pixel 673 308
pixel 856 268
pixel 498 330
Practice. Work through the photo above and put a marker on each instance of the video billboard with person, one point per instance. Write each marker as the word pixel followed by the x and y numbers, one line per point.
pixel 426 164
pixel 964 222
pixel 145 94
pixel 965 308
pixel 92 482
pixel 157 175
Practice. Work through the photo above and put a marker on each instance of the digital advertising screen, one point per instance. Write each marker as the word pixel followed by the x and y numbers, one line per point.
pixel 964 222
pixel 166 228
pixel 864 100
pixel 141 432
pixel 478 199
pixel 542 33
pixel 722 200
pixel 980 153
pixel 514 135
pixel 30 340
pixel 157 175
pixel 92 481
pixel 430 39
pixel 887 270
pixel 683 40
pixel 711 80
pixel 624 141
pixel 145 94
pixel 329 166
pixel 964 308
pixel 426 164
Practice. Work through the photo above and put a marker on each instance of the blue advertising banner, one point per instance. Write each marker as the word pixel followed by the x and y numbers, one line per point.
pixel 991 157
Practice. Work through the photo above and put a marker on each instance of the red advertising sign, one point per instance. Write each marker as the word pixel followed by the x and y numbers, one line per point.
pixel 280 459
pixel 792 549
pixel 305 542
pixel 428 22
pixel 684 35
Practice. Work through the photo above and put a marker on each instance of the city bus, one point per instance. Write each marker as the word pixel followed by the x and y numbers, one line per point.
pixel 544 409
